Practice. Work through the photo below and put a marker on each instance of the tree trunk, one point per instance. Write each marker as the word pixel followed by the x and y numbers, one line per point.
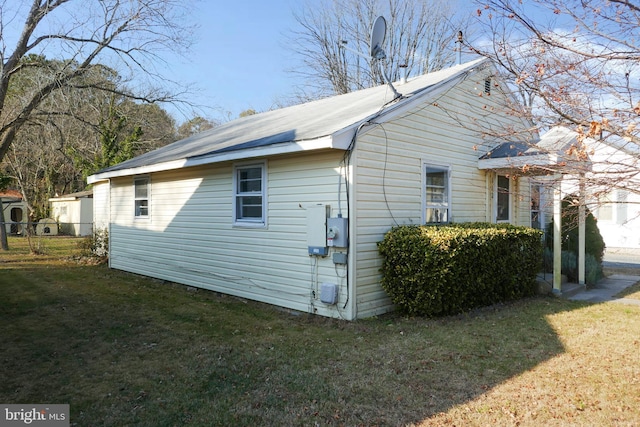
pixel 4 244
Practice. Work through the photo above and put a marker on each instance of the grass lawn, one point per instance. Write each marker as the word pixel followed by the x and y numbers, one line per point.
pixel 632 292
pixel 127 350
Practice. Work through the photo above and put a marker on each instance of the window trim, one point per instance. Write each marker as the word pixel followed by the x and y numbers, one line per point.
pixel 250 223
pixel 443 168
pixel 136 179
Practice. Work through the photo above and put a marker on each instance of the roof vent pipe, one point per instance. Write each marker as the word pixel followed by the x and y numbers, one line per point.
pixel 403 79
pixel 459 48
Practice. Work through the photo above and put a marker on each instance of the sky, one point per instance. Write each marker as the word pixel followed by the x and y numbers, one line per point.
pixel 240 59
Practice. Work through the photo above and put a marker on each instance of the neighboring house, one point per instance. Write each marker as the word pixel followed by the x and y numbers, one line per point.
pixel 611 179
pixel 287 206
pixel 612 189
pixel 73 213
pixel 16 211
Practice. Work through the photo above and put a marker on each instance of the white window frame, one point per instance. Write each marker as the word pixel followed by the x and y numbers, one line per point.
pixel 509 200
pixel 137 199
pixel 254 222
pixel 446 205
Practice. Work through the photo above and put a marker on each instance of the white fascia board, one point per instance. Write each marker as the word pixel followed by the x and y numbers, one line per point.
pixel 283 148
pixel 63 199
pixel 175 164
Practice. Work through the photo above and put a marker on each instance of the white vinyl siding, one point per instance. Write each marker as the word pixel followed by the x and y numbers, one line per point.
pixel 101 209
pixel 75 217
pixel 389 183
pixel 192 239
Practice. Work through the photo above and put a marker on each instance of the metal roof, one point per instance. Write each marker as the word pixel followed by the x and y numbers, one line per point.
pixel 325 123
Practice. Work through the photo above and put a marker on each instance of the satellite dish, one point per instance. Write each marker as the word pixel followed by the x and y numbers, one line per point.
pixel 378 34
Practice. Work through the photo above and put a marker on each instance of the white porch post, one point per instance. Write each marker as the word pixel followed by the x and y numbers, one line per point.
pixel 581 232
pixel 557 235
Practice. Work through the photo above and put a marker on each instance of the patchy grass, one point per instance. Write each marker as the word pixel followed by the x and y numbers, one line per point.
pixel 632 292
pixel 127 350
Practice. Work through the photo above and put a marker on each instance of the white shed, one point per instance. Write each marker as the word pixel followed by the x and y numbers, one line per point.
pixel 287 206
pixel 74 213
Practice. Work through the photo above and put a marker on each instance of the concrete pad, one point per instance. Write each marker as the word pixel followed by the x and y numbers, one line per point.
pixel 607 288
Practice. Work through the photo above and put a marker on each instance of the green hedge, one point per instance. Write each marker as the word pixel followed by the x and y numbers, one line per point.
pixel 442 270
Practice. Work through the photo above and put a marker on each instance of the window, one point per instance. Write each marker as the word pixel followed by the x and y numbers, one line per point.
pixel 141 197
pixel 537 220
pixel 503 198
pixel 605 209
pixel 436 185
pixel 250 195
pixel 621 207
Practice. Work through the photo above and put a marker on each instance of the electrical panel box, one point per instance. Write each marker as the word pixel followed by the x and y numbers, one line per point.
pixel 339 258
pixel 329 293
pixel 317 229
pixel 337 232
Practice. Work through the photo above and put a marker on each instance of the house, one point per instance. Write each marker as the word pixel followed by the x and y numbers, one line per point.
pixel 287 206
pixel 74 213
pixel 15 210
pixel 560 159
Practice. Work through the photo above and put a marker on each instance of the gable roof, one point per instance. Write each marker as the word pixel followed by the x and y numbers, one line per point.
pixel 11 194
pixel 325 123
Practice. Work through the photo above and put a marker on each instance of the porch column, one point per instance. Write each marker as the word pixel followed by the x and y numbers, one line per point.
pixel 581 232
pixel 557 235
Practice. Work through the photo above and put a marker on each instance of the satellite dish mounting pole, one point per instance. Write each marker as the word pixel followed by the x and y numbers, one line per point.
pixel 378 34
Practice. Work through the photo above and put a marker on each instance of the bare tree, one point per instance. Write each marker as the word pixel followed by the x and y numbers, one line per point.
pixel 420 38
pixel 77 131
pixel 574 63
pixel 128 35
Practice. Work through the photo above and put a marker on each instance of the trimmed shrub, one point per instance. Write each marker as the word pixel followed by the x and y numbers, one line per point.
pixel 569 262
pixel 592 270
pixel 442 270
pixel 594 245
